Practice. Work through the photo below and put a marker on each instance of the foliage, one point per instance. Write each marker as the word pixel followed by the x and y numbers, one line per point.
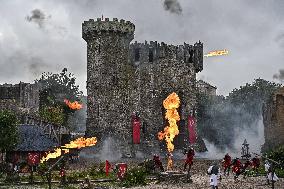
pixel 277 155
pixel 134 177
pixel 219 117
pixel 54 88
pixel 73 177
pixel 59 86
pixel 53 114
pixel 8 130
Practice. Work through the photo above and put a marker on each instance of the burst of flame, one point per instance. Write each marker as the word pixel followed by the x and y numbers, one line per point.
pixel 170 163
pixel 217 53
pixel 171 103
pixel 78 143
pixel 55 154
pixel 73 105
pixel 81 143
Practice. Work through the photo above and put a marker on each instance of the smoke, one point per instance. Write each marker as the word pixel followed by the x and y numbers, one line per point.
pixel 173 6
pixel 38 17
pixel 77 121
pixel 254 136
pixel 279 76
pixel 36 66
pixel 109 150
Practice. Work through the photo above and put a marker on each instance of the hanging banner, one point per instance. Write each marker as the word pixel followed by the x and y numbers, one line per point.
pixel 33 158
pixel 136 129
pixel 192 129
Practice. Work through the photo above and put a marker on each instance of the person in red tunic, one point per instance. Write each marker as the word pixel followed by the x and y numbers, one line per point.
pixel 237 167
pixel 255 164
pixel 227 164
pixel 62 175
pixel 158 162
pixel 189 159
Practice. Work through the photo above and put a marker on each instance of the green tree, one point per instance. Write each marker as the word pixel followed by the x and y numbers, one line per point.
pixel 54 88
pixel 53 114
pixel 57 87
pixel 8 131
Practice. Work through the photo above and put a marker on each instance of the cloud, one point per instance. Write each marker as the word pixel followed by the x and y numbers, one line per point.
pixel 279 76
pixel 38 17
pixel 37 66
pixel 246 29
pixel 173 6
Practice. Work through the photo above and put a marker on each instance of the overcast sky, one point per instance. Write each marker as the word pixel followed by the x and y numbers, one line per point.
pixel 45 35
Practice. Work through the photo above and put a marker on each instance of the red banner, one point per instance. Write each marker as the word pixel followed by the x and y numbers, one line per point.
pixel 108 166
pixel 136 129
pixel 33 158
pixel 122 168
pixel 191 129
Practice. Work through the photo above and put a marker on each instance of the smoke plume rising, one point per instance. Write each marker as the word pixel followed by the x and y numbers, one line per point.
pixel 38 17
pixel 173 6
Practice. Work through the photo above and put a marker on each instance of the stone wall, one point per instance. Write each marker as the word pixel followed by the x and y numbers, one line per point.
pixel 273 120
pixel 22 97
pixel 123 79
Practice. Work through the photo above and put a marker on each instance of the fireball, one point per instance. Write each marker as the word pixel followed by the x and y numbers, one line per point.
pixel 171 103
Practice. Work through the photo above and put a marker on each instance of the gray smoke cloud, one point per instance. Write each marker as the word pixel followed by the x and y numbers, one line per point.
pixel 38 17
pixel 254 134
pixel 279 76
pixel 173 6
pixel 37 66
pixel 109 150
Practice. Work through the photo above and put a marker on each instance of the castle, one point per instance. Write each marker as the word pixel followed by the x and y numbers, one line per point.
pixel 123 78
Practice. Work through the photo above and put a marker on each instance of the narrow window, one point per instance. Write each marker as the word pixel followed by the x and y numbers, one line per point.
pixel 151 56
pixel 99 49
pixel 137 55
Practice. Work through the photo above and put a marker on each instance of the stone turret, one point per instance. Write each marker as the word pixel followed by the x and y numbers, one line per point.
pixel 109 79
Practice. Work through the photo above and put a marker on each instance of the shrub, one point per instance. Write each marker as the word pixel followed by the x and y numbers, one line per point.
pixel 134 177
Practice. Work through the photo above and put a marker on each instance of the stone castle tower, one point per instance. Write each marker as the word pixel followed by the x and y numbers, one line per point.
pixel 123 78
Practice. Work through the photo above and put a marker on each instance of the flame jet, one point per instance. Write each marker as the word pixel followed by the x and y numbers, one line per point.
pixel 217 53
pixel 73 105
pixel 171 103
pixel 78 143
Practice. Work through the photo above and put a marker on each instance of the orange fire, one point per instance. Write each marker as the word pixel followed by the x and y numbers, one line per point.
pixel 170 163
pixel 217 53
pixel 55 154
pixel 78 143
pixel 81 143
pixel 73 105
pixel 171 103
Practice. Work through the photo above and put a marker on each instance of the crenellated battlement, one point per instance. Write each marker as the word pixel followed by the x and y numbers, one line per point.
pixel 93 28
pixel 153 51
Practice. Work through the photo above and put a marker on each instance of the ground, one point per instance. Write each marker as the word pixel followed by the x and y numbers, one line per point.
pixel 200 181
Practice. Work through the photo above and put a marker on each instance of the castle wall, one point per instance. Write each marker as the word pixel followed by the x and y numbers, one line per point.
pixel 273 120
pixel 22 97
pixel 123 79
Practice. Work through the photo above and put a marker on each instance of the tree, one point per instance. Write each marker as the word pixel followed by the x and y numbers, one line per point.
pixel 54 88
pixel 57 87
pixel 53 114
pixel 8 131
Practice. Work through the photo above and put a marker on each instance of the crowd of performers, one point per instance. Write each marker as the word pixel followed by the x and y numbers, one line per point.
pixel 239 168
pixel 236 166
